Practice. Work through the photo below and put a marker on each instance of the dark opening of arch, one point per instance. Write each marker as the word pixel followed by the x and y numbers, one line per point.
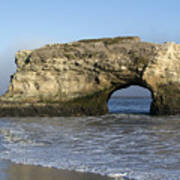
pixel 134 99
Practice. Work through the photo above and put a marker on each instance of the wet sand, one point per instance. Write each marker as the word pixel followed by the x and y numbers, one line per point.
pixel 11 171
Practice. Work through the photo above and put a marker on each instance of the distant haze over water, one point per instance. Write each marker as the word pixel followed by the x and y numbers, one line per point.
pixel 132 91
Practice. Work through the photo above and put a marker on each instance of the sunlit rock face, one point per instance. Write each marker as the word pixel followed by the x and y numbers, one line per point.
pixel 78 78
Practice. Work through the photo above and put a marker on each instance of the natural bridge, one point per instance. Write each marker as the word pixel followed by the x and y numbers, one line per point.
pixel 78 78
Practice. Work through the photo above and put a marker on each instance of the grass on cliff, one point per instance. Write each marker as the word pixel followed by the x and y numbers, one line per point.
pixel 109 41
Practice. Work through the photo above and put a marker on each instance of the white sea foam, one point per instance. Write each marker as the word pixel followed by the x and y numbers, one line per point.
pixel 135 146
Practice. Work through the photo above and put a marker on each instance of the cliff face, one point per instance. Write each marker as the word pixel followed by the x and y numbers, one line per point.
pixel 78 78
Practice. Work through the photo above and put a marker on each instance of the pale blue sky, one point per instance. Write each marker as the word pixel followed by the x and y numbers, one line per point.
pixel 31 24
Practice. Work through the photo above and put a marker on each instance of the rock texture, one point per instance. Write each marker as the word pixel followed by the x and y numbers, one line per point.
pixel 78 78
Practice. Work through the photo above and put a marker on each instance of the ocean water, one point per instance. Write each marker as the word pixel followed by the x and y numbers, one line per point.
pixel 126 142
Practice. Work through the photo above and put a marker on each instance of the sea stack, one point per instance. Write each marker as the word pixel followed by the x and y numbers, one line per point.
pixel 76 79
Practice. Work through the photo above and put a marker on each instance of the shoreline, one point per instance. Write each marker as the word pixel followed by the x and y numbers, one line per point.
pixel 14 171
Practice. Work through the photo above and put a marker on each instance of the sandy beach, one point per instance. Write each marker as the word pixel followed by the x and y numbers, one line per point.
pixel 11 171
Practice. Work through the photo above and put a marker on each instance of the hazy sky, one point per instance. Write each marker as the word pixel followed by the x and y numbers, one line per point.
pixel 31 24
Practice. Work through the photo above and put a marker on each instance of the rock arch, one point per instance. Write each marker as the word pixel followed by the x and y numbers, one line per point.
pixel 103 102
pixel 78 78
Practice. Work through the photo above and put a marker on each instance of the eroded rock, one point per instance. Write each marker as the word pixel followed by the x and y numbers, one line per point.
pixel 78 78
